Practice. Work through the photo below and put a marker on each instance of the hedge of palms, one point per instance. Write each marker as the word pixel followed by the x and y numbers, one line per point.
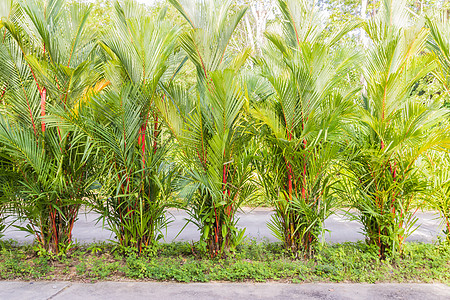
pixel 312 125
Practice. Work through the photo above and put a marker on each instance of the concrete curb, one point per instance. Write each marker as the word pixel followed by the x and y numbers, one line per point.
pixel 219 290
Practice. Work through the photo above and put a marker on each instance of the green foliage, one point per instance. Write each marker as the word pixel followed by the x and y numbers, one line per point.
pixel 13 264
pixel 394 129
pixel 45 62
pixel 8 184
pixel 210 126
pixel 438 164
pixel 301 122
pixel 97 268
pixel 113 106
pixel 348 262
pixel 135 179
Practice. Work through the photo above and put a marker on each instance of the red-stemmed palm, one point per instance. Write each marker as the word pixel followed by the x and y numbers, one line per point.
pixel 46 62
pixel 301 121
pixel 394 128
pixel 209 125
pixel 123 124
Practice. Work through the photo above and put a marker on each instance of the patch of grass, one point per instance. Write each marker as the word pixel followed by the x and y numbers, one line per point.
pixel 17 264
pixel 347 262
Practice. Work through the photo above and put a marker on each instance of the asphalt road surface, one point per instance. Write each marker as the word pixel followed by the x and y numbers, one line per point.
pixel 339 228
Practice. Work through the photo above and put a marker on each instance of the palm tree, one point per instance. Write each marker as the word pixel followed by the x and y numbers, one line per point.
pixel 438 161
pixel 393 130
pixel 301 122
pixel 6 166
pixel 135 180
pixel 439 44
pixel 209 125
pixel 8 184
pixel 124 126
pixel 437 166
pixel 45 63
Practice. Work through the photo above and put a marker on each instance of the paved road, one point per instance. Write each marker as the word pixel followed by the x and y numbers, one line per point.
pixel 87 230
pixel 217 290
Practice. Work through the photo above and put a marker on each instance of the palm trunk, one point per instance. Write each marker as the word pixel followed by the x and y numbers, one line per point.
pixel 43 103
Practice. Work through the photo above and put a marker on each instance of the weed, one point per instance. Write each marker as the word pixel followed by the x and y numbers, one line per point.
pixel 354 262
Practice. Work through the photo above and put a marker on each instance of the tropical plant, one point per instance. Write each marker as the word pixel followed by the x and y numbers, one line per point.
pixel 123 124
pixel 437 166
pixel 301 122
pixel 5 163
pixel 438 43
pixel 394 129
pixel 439 163
pixel 8 188
pixel 46 63
pixel 135 181
pixel 209 125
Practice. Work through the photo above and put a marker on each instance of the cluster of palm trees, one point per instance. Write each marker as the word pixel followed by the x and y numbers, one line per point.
pixel 311 125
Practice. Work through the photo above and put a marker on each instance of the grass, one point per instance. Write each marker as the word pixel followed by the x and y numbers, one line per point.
pixel 347 262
